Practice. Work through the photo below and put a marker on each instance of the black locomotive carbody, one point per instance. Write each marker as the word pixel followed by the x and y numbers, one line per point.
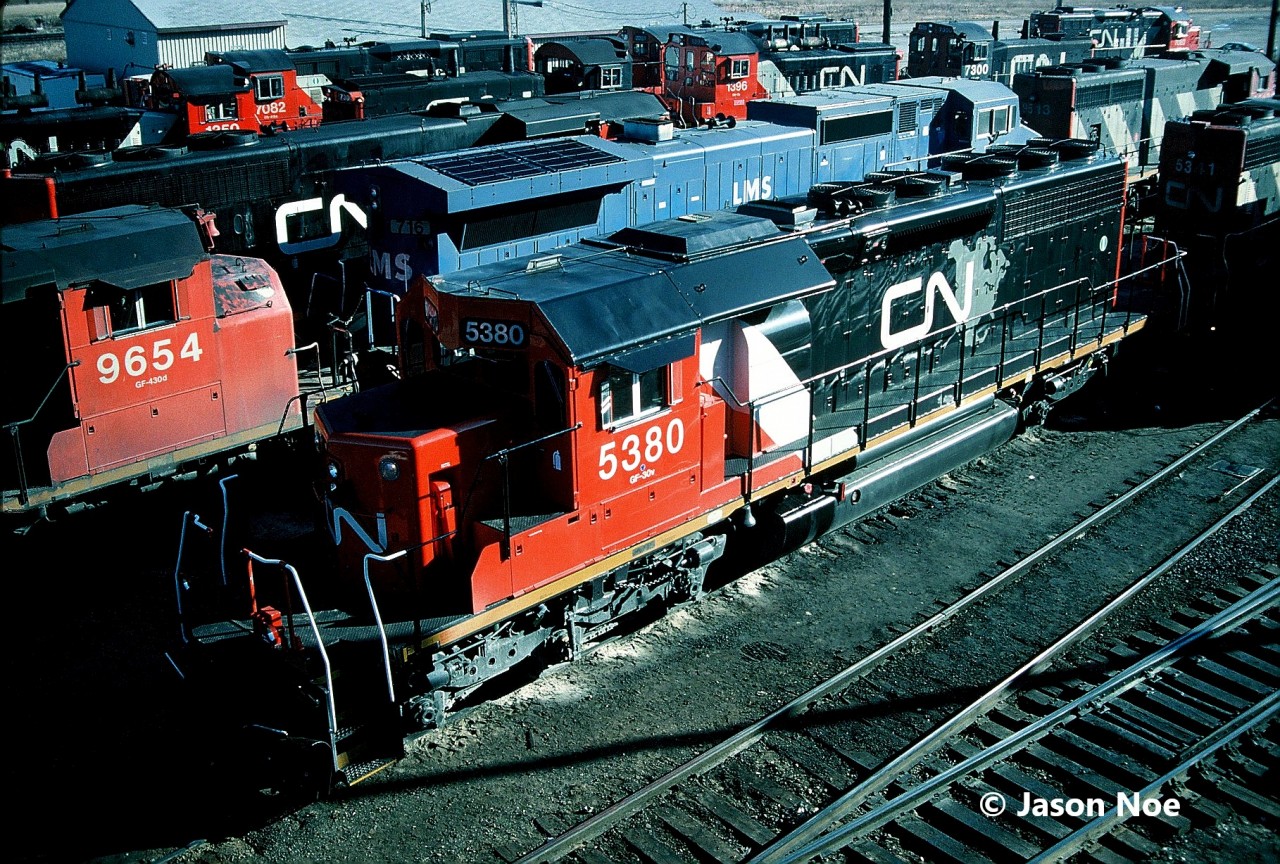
pixel 240 176
pixel 968 50
pixel 1219 198
pixel 441 55
pixel 1121 31
pixel 1219 170
pixel 578 435
pixel 26 135
pixel 1124 105
pixel 569 65
pixel 785 73
pixel 360 97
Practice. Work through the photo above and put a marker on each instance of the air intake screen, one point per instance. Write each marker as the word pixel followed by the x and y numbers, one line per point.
pixel 1262 150
pixel 1035 210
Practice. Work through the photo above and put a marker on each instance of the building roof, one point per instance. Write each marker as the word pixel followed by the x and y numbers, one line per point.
pixel 175 15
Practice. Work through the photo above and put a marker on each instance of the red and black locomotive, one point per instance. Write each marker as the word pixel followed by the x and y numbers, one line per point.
pixel 576 436
pixel 1122 31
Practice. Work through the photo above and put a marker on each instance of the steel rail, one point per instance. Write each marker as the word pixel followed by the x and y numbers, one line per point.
pixel 1251 719
pixel 561 845
pixel 810 839
pixel 1130 678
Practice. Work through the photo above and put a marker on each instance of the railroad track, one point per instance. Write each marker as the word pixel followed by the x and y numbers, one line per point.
pixel 1129 735
pixel 741 796
pixel 39 37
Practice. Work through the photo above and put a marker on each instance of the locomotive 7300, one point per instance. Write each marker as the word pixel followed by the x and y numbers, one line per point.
pixel 578 435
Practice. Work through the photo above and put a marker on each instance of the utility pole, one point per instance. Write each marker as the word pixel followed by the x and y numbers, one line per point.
pixel 510 17
pixel 888 17
pixel 1271 34
pixel 424 7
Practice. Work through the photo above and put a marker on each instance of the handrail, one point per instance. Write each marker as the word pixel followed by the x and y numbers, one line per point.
pixel 330 704
pixel 302 396
pixel 226 518
pixel 188 518
pixel 1096 297
pixel 377 616
pixel 369 291
pixel 504 459
pixel 14 427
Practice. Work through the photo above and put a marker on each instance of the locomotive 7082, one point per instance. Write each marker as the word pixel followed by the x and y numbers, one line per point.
pixel 578 435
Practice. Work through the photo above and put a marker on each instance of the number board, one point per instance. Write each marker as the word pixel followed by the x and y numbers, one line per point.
pixel 492 333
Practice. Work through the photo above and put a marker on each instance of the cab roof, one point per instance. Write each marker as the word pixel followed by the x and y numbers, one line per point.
pixel 624 299
pixel 127 247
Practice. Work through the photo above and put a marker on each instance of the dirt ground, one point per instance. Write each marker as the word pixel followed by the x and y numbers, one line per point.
pixel 103 740
pixel 91 616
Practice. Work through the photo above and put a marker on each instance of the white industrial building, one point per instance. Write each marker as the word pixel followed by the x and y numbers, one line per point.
pixel 135 36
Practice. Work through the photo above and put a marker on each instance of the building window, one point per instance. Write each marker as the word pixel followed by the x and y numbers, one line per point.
pixel 269 87
pixel 626 396
pixel 739 68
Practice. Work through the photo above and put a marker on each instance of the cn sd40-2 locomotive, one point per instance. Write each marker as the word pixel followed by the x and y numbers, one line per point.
pixel 579 435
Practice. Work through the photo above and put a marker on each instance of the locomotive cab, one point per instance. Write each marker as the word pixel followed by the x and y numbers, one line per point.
pixel 538 430
pixel 515 433
pixel 145 353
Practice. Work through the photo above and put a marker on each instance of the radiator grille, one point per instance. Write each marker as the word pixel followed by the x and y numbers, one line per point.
pixel 1261 151
pixel 907 118
pixel 1108 94
pixel 1035 210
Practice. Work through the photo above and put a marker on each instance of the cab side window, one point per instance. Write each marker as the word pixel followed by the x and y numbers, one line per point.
pixel 118 311
pixel 625 396
pixel 268 87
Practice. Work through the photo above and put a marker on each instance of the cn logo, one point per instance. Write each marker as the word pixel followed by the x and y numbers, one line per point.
pixel 936 286
pixel 1185 197
pixel 310 205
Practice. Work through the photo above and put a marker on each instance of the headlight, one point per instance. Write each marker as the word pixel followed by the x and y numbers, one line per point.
pixel 332 469
pixel 389 468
